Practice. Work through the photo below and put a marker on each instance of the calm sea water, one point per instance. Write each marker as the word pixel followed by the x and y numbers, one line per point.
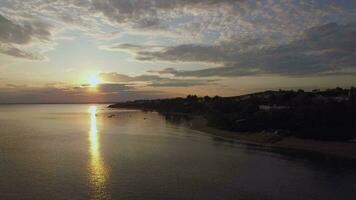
pixel 90 152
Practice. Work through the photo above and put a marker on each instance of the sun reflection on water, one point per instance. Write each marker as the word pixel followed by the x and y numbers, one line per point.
pixel 97 171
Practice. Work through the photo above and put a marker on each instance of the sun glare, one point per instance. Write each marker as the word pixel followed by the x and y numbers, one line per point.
pixel 94 80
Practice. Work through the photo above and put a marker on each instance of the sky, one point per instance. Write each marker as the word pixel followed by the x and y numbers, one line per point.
pixel 62 51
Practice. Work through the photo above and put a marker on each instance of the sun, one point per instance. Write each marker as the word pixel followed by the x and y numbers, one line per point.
pixel 94 80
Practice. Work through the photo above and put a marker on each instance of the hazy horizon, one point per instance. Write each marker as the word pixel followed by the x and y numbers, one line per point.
pixel 182 96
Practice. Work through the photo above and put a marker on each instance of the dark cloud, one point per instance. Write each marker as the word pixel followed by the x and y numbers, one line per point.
pixel 188 52
pixel 13 34
pixel 321 49
pixel 169 70
pixel 23 33
pixel 154 80
pixel 216 71
pixel 268 22
pixel 144 14
pixel 131 47
pixel 19 53
pixel 116 77
pixel 113 88
pixel 180 83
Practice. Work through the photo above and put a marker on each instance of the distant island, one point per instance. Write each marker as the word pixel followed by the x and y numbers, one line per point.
pixel 266 117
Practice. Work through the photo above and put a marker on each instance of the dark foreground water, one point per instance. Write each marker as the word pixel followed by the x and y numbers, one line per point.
pixel 84 152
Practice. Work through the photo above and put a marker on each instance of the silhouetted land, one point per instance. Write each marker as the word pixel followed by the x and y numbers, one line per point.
pixel 323 115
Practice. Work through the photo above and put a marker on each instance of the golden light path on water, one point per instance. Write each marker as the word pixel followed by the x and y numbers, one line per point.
pixel 97 171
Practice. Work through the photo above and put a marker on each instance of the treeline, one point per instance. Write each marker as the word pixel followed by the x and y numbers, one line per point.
pixel 326 115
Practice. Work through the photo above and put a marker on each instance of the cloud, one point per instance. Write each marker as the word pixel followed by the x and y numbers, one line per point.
pixel 203 21
pixel 169 70
pixel 131 48
pixel 180 83
pixel 154 80
pixel 187 53
pixel 327 48
pixel 146 14
pixel 24 32
pixel 272 21
pixel 15 36
pixel 11 93
pixel 116 77
pixel 19 53
pixel 113 88
pixel 211 72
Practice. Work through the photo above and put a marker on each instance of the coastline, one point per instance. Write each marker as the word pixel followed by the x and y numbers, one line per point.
pixel 345 150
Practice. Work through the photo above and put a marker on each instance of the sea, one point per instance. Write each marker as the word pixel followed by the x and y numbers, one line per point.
pixel 88 151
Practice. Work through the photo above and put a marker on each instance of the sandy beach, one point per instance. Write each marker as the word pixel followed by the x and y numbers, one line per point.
pixel 345 150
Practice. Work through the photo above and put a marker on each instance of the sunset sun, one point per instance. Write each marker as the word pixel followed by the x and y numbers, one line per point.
pixel 94 80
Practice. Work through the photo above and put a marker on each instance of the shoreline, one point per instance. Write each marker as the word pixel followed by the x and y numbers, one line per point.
pixel 346 150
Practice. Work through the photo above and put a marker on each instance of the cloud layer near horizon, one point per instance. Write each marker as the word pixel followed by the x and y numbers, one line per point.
pixel 154 80
pixel 66 93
